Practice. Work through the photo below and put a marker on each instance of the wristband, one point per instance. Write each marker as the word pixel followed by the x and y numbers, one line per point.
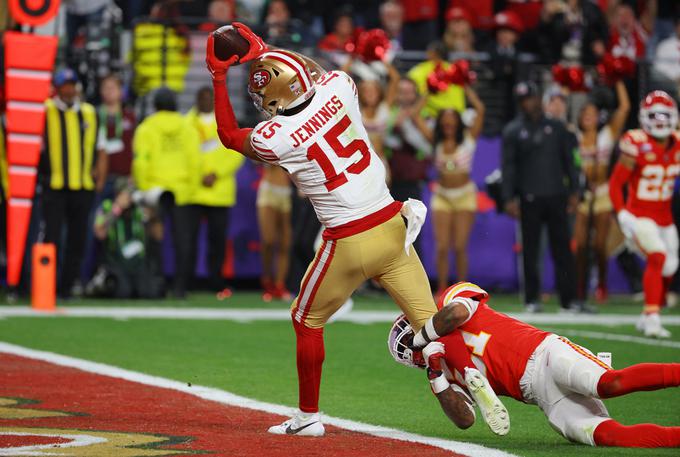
pixel 439 384
pixel 425 335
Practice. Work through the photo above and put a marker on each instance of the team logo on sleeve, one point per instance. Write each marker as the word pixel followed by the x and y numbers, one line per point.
pixel 260 78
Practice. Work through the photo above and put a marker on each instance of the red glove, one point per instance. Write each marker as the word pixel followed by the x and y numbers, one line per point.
pixel 433 354
pixel 217 68
pixel 257 46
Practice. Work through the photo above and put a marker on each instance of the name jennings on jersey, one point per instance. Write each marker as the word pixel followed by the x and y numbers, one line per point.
pixel 314 124
pixel 329 157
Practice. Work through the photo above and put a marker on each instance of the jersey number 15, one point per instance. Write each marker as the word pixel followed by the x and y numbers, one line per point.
pixel 316 153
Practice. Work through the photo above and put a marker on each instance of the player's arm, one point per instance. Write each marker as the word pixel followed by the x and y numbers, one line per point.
pixel 445 321
pixel 228 130
pixel 620 176
pixel 454 402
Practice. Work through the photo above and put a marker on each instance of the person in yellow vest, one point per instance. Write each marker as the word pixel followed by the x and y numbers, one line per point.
pixel 216 192
pixel 73 166
pixel 166 161
pixel 453 97
pixel 160 54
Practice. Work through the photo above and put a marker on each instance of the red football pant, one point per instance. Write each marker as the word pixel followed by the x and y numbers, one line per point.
pixel 310 356
pixel 653 281
pixel 612 433
pixel 640 377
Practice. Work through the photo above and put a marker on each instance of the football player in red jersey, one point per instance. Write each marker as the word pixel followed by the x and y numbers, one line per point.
pixel 533 366
pixel 648 166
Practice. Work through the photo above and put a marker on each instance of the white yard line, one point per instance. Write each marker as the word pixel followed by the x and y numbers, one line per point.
pixel 260 314
pixel 227 398
pixel 618 337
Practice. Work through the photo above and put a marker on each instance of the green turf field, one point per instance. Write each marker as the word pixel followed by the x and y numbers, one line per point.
pixel 361 382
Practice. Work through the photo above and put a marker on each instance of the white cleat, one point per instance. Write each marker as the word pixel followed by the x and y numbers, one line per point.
pixel 494 413
pixel 301 424
pixel 650 326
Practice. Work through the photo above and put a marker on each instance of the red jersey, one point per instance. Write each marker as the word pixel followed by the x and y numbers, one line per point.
pixel 650 187
pixel 499 345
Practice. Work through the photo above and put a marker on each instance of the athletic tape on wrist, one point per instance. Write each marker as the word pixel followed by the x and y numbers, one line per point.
pixel 425 335
pixel 439 384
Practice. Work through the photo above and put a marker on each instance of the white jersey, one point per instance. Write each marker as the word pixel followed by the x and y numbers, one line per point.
pixel 326 151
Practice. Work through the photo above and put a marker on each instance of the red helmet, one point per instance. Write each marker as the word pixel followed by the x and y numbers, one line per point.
pixel 658 114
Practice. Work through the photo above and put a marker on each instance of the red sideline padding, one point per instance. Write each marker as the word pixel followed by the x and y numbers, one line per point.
pixel 25 118
pixel 30 52
pixel 18 217
pixel 27 86
pixel 22 183
pixel 23 151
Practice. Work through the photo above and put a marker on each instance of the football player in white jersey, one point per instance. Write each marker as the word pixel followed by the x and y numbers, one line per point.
pixel 314 131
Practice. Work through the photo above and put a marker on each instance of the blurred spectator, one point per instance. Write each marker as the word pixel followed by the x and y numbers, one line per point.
pixel 160 54
pixel 116 128
pixel 667 60
pixel 627 37
pixel 273 216
pixel 280 29
pixel 131 239
pixel 555 103
pixel 503 57
pixel 375 102
pixel 481 12
pixel 220 12
pixel 407 144
pixel 594 215
pixel 572 30
pixel 216 192
pixel 392 22
pixel 665 16
pixel 83 13
pixel 540 186
pixel 73 165
pixel 458 36
pixel 528 10
pixel 420 23
pixel 166 160
pixel 451 97
pixel 454 202
pixel 341 39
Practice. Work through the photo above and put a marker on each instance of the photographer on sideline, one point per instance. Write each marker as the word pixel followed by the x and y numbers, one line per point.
pixel 131 234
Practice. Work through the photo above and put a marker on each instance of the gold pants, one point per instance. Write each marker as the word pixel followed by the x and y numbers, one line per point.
pixel 340 266
pixel 462 198
pixel 272 196
pixel 602 203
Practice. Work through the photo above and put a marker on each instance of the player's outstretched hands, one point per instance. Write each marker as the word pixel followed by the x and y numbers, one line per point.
pixel 257 45
pixel 433 354
pixel 217 68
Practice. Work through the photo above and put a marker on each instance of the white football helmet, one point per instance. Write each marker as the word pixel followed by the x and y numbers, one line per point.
pixel 658 114
pixel 400 333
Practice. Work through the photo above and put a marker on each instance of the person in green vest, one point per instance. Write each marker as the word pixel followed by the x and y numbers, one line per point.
pixel 216 192
pixel 166 150
pixel 130 236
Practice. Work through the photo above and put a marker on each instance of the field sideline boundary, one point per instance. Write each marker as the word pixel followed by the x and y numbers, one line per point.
pixel 264 314
pixel 230 399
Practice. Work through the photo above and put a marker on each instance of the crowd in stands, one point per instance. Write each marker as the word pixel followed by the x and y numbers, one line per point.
pixel 432 77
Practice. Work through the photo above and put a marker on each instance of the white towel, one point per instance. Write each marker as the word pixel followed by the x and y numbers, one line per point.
pixel 414 211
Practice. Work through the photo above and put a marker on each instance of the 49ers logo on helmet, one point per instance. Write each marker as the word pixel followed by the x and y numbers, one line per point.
pixel 260 78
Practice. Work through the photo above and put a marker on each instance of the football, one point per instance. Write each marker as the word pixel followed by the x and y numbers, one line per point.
pixel 227 42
